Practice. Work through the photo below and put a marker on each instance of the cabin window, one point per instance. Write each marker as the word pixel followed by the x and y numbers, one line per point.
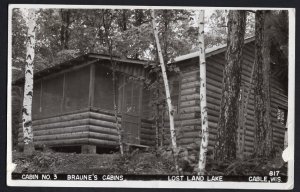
pixel 282 115
pixel 52 94
pixel 76 89
pixel 36 102
pixel 103 96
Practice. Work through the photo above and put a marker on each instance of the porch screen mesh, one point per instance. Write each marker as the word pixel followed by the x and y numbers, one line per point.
pixel 76 95
pixel 52 96
pixel 103 98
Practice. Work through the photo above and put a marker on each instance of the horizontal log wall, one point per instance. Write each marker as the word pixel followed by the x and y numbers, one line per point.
pixel 147 133
pixel 188 123
pixel 102 129
pixel 70 129
pixel 90 127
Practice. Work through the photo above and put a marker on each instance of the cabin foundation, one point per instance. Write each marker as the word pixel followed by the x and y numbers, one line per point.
pixel 88 149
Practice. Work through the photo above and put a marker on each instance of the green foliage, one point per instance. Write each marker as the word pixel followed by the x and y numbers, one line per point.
pixel 140 162
pixel 87 29
pixel 129 30
pixel 277 28
pixel 216 29
pixel 19 31
pixel 187 157
pixel 39 162
pixel 46 160
pixel 216 26
pixel 65 55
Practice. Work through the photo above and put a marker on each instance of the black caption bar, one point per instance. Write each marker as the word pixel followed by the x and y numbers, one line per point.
pixel 194 178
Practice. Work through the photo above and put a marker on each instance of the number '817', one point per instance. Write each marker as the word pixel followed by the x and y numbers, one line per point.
pixel 274 173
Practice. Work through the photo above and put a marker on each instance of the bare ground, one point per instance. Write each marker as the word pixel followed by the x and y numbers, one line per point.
pixel 71 163
pixel 137 162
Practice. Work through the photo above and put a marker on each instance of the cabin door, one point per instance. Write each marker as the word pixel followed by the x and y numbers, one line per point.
pixel 131 107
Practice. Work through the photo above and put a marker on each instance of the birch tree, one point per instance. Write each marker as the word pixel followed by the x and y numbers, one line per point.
pixel 167 90
pixel 225 148
pixel 203 105
pixel 28 86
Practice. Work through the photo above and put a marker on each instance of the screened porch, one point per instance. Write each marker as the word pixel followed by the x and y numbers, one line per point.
pixel 76 107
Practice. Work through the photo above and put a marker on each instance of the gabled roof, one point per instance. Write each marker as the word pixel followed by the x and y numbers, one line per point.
pixel 94 57
pixel 209 52
pixel 277 70
pixel 83 59
pixel 119 59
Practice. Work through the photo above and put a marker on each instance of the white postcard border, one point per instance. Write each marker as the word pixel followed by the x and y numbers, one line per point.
pixel 289 152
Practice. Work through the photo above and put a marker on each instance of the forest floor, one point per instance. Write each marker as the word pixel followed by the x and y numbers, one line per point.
pixel 73 163
pixel 137 162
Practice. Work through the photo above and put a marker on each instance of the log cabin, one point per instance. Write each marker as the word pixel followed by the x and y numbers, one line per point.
pixel 73 102
pixel 188 117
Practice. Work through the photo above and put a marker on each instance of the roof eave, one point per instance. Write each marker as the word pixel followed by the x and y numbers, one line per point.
pixel 209 52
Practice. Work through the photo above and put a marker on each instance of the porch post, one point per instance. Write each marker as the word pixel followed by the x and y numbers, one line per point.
pixel 92 86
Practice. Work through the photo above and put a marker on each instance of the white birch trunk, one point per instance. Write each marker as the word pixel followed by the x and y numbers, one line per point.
pixel 167 90
pixel 28 86
pixel 203 105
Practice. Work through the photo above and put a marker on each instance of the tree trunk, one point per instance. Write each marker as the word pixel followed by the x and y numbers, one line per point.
pixel 119 131
pixel 28 86
pixel 124 19
pixel 109 43
pixel 162 134
pixel 116 111
pixel 157 125
pixel 262 122
pixel 64 31
pixel 139 17
pixel 167 90
pixel 166 22
pixel 225 148
pixel 203 104
pixel 245 111
pixel 241 131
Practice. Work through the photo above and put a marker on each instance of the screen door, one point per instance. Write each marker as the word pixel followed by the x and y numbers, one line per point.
pixel 131 104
